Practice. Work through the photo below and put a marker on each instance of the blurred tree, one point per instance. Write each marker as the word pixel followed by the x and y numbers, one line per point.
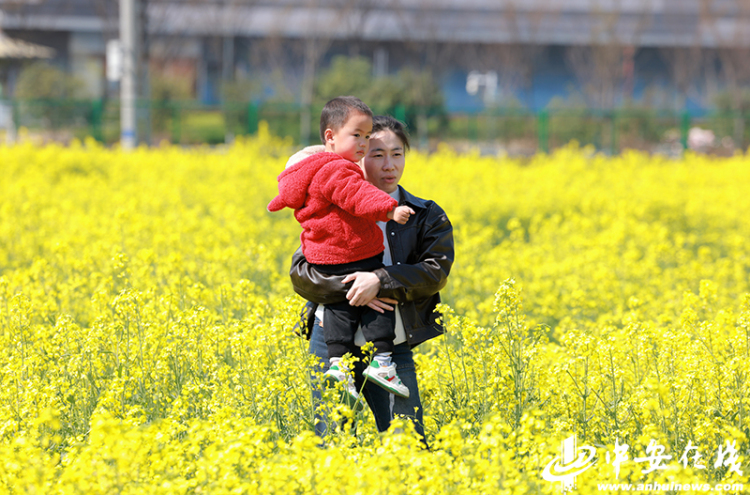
pixel 605 66
pixel 345 76
pixel 42 80
pixel 168 89
pixel 165 93
pixel 729 23
pixel 241 90
pixel 598 68
pixel 513 61
pixel 685 64
pixel 416 90
pixel 422 98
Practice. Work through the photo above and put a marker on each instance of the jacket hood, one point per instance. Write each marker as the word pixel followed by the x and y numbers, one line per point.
pixel 295 181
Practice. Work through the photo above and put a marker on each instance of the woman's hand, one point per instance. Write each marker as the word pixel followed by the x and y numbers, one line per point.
pixel 382 304
pixel 364 289
pixel 364 292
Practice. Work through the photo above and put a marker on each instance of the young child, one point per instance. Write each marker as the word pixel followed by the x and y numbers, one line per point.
pixel 338 210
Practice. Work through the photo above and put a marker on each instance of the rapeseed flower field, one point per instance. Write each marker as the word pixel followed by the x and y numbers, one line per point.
pixel 598 318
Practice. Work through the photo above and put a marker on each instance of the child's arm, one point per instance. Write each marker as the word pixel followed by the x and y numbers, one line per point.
pixel 346 188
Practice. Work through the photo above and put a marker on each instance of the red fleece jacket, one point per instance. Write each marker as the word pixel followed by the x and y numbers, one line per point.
pixel 336 207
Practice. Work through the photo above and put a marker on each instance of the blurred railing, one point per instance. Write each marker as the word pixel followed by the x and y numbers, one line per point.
pixel 498 130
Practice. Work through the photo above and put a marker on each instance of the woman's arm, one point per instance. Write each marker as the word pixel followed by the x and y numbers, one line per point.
pixel 401 282
pixel 314 286
pixel 434 252
pixel 321 288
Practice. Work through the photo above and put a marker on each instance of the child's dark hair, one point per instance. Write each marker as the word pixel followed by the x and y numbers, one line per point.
pixel 336 112
pixel 388 123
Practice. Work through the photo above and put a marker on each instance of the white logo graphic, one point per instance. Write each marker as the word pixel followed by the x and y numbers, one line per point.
pixel 573 463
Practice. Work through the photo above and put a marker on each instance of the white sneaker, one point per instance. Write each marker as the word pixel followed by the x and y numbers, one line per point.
pixel 336 375
pixel 386 377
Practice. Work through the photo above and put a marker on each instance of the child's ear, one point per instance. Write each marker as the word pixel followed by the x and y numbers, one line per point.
pixel 328 134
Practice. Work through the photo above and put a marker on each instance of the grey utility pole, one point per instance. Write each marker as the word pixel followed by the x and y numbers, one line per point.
pixel 128 43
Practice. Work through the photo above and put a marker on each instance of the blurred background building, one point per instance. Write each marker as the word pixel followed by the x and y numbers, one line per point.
pixel 459 55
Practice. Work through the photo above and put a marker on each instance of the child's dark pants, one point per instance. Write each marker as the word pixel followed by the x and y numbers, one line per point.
pixel 340 320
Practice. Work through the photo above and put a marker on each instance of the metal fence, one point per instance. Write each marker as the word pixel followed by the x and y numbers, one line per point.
pixel 497 130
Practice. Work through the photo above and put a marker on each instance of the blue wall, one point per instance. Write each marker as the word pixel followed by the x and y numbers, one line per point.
pixel 553 77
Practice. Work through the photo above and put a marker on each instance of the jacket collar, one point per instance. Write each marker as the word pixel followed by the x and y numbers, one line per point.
pixel 407 197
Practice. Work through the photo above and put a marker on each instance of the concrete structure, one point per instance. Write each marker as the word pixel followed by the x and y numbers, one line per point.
pixel 524 44
pixel 13 54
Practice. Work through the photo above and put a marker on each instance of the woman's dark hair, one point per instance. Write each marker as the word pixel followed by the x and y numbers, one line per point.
pixel 388 123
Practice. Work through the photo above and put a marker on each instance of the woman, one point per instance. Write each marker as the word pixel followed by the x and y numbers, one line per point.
pixel 418 259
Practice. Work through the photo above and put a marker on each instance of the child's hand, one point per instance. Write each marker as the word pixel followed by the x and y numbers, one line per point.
pixel 401 214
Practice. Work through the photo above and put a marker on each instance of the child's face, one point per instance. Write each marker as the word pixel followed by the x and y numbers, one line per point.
pixel 351 140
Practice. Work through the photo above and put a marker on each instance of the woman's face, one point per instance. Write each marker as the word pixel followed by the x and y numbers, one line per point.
pixel 351 140
pixel 384 162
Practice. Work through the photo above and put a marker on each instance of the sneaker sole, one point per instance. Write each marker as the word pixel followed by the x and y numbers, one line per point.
pixel 385 384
